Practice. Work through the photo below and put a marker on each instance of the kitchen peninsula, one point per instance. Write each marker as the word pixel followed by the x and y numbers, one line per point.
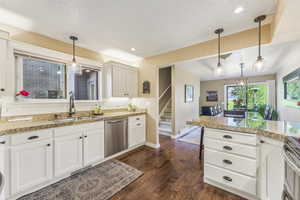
pixel 246 156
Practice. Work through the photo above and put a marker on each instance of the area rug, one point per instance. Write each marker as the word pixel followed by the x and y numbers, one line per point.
pixel 97 183
pixel 192 137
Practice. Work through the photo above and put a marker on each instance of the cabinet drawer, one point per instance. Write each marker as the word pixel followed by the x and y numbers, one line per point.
pixel 68 130
pixel 229 136
pixel 137 120
pixel 94 126
pixel 230 179
pixel 231 162
pixel 33 136
pixel 230 147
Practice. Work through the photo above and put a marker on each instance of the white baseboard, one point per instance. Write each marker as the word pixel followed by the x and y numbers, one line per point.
pixel 152 145
pixel 184 131
pixel 164 133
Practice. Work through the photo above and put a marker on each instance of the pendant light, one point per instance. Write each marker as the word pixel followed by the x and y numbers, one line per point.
pixel 243 81
pixel 219 69
pixel 76 68
pixel 258 66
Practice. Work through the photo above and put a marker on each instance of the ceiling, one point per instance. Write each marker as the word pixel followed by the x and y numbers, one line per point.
pixel 275 56
pixel 115 26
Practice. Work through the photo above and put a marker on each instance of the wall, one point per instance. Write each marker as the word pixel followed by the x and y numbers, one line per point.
pixel 287 65
pixel 184 111
pixel 218 85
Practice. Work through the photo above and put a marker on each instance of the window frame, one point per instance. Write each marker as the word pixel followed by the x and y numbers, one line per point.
pixel 19 79
pixel 93 68
pixel 252 83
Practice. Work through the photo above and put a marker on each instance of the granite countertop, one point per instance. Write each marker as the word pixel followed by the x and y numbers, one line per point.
pixel 278 130
pixel 12 127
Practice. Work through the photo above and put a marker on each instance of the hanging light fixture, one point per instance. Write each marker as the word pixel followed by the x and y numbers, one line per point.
pixel 243 81
pixel 76 68
pixel 219 69
pixel 258 66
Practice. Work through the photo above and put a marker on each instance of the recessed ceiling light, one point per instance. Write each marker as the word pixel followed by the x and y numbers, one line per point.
pixel 238 10
pixel 133 49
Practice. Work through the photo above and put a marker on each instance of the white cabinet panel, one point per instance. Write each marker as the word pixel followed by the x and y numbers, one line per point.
pixel 271 169
pixel 4 62
pixel 136 130
pixel 93 146
pixel 120 80
pixel 31 165
pixel 68 153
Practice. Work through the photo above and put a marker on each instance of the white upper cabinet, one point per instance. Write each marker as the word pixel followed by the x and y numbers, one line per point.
pixel 4 61
pixel 120 80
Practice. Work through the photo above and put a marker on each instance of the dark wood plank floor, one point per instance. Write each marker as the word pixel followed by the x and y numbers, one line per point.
pixel 172 172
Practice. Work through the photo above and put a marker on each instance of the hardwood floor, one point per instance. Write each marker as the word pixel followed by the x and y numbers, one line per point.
pixel 172 172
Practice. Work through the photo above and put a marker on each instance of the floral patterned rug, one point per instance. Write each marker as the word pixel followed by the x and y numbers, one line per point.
pixel 97 183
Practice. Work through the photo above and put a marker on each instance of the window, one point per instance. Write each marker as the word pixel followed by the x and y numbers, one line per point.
pixel 86 85
pixel 251 99
pixel 43 79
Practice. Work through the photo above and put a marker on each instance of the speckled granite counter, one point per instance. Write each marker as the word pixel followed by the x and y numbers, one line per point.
pixel 7 127
pixel 278 130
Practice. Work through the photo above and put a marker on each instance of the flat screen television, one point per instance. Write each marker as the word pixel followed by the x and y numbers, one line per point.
pixel 292 89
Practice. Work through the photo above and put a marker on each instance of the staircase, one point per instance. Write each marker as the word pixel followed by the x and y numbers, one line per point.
pixel 165 122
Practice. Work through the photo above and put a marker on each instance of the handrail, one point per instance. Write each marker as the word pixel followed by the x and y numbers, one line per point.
pixel 164 92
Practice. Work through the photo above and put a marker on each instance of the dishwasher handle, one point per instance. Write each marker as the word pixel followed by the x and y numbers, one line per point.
pixel 115 121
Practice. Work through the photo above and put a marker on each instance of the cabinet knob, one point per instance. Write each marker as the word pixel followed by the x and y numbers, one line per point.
pixel 3 142
pixel 85 136
pixel 262 142
pixel 33 137
pixel 48 145
pixel 2 89
pixel 80 137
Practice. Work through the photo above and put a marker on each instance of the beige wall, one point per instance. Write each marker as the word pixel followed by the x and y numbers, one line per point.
pixel 184 111
pixel 218 85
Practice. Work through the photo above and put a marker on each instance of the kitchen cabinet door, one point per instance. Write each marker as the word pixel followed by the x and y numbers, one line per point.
pixel 136 130
pixel 4 61
pixel 271 169
pixel 68 153
pixel 132 83
pixel 119 82
pixel 31 165
pixel 93 146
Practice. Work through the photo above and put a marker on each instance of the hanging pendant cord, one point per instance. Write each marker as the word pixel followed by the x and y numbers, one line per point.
pixel 219 49
pixel 74 50
pixel 259 38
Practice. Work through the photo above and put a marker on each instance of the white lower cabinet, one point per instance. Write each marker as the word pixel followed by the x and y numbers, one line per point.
pixel 31 165
pixel 68 153
pixel 136 130
pixel 271 169
pixel 230 161
pixel 93 146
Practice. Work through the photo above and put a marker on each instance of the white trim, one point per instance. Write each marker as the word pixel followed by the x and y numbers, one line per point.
pixel 152 145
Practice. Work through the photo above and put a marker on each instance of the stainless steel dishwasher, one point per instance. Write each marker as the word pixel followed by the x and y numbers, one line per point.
pixel 116 136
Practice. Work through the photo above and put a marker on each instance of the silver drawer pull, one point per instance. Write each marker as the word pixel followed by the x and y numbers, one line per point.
pixel 33 137
pixel 3 142
pixel 137 118
pixel 227 136
pixel 227 178
pixel 228 162
pixel 139 124
pixel 227 148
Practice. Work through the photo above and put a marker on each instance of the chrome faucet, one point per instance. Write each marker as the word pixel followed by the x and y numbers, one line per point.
pixel 72 109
